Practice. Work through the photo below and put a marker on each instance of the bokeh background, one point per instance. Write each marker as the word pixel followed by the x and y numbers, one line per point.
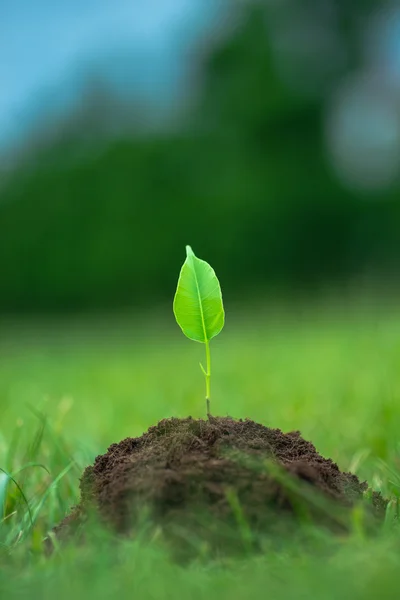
pixel 266 134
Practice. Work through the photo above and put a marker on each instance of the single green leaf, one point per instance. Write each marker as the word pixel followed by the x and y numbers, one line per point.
pixel 198 306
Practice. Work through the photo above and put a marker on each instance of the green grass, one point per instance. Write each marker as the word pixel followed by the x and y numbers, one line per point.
pixel 68 390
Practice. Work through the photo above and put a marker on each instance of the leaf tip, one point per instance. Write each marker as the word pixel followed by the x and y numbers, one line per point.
pixel 189 251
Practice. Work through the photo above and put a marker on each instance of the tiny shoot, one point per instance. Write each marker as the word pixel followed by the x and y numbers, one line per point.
pixel 198 307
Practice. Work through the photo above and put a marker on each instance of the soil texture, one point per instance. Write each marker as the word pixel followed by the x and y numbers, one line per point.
pixel 199 481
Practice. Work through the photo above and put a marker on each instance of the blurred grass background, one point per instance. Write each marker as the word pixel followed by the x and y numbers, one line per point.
pixel 330 373
pixel 267 136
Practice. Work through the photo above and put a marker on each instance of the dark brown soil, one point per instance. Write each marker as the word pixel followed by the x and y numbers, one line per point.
pixel 199 480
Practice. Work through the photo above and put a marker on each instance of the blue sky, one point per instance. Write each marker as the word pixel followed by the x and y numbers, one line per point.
pixel 45 44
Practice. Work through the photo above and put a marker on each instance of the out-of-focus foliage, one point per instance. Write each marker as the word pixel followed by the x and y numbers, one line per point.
pixel 246 180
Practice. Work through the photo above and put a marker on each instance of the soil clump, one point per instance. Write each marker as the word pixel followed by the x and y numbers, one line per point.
pixel 220 482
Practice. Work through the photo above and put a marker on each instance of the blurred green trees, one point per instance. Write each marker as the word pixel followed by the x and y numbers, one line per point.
pixel 246 181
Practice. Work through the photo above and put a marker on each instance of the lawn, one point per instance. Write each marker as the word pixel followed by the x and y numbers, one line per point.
pixel 70 388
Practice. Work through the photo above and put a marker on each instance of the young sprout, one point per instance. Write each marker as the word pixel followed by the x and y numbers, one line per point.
pixel 198 307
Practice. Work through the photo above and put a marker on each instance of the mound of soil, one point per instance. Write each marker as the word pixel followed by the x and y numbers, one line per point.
pixel 202 479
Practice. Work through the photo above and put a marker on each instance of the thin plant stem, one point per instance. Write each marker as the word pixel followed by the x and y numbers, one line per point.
pixel 208 376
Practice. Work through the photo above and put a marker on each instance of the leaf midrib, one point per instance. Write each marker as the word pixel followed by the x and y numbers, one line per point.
pixel 200 302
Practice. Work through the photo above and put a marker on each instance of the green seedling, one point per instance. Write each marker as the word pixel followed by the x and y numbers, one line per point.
pixel 198 307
